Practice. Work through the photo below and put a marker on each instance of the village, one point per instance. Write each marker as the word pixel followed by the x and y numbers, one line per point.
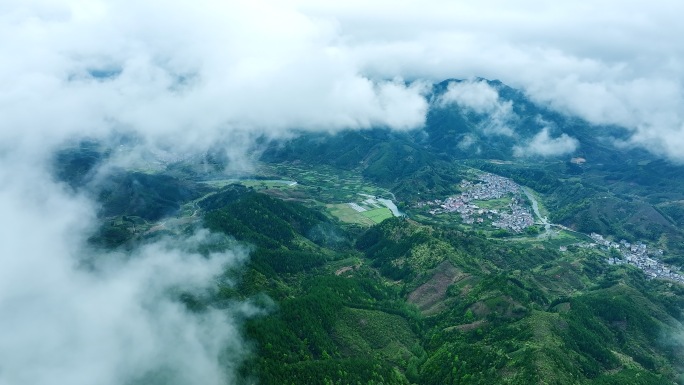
pixel 492 187
pixel 519 218
pixel 637 254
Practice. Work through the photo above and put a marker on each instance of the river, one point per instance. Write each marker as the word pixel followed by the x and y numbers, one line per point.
pixel 535 207
pixel 390 205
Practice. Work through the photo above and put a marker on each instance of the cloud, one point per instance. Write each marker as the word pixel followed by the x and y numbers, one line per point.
pixel 190 72
pixel 177 77
pixel 186 76
pixel 467 142
pixel 114 320
pixel 650 108
pixel 543 144
pixel 204 71
pixel 482 99
pixel 608 62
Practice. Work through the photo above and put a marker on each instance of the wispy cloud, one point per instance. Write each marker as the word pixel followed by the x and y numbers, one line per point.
pixel 544 145
pixel 115 319
pixel 608 62
pixel 177 77
pixel 482 99
pixel 187 76
pixel 174 69
pixel 190 72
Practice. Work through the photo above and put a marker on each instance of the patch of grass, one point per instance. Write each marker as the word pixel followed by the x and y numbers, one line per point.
pixel 220 183
pixel 267 184
pixel 378 215
pixel 345 213
pixel 565 238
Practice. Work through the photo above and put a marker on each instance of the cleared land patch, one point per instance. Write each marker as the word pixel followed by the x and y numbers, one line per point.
pixel 429 295
pixel 365 332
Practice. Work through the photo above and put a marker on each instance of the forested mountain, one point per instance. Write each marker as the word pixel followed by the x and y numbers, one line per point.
pixel 417 299
pixel 598 186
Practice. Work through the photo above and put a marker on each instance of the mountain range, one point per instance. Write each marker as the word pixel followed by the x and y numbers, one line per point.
pixel 421 299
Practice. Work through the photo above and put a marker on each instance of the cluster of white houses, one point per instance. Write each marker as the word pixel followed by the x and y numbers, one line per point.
pixel 496 187
pixel 639 255
pixel 492 187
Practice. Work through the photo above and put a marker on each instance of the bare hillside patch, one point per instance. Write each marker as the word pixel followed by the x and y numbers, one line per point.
pixel 429 295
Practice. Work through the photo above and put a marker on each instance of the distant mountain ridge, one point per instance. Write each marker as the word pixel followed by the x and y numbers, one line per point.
pixel 598 186
pixel 419 299
pixel 455 131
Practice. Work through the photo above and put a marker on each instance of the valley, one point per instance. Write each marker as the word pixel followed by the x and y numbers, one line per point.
pixel 475 203
pixel 414 292
pixel 341 193
pixel 378 257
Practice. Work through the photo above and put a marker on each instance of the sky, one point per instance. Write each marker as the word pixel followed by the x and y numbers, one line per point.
pixel 188 75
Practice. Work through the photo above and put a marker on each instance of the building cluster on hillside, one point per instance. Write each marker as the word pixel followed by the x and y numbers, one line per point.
pixel 639 255
pixel 492 187
pixel 495 187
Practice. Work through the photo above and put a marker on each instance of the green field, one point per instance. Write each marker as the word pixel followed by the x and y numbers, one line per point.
pixel 378 215
pixel 325 184
pixel 344 213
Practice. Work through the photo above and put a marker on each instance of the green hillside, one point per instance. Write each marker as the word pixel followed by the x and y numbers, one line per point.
pixel 349 293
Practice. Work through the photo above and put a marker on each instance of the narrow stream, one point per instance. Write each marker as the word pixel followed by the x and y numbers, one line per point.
pixel 535 208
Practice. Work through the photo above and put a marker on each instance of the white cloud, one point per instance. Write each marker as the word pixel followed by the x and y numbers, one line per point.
pixel 188 75
pixel 269 66
pixel 606 61
pixel 467 142
pixel 192 71
pixel 183 76
pixel 113 320
pixel 475 95
pixel 483 99
pixel 543 144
